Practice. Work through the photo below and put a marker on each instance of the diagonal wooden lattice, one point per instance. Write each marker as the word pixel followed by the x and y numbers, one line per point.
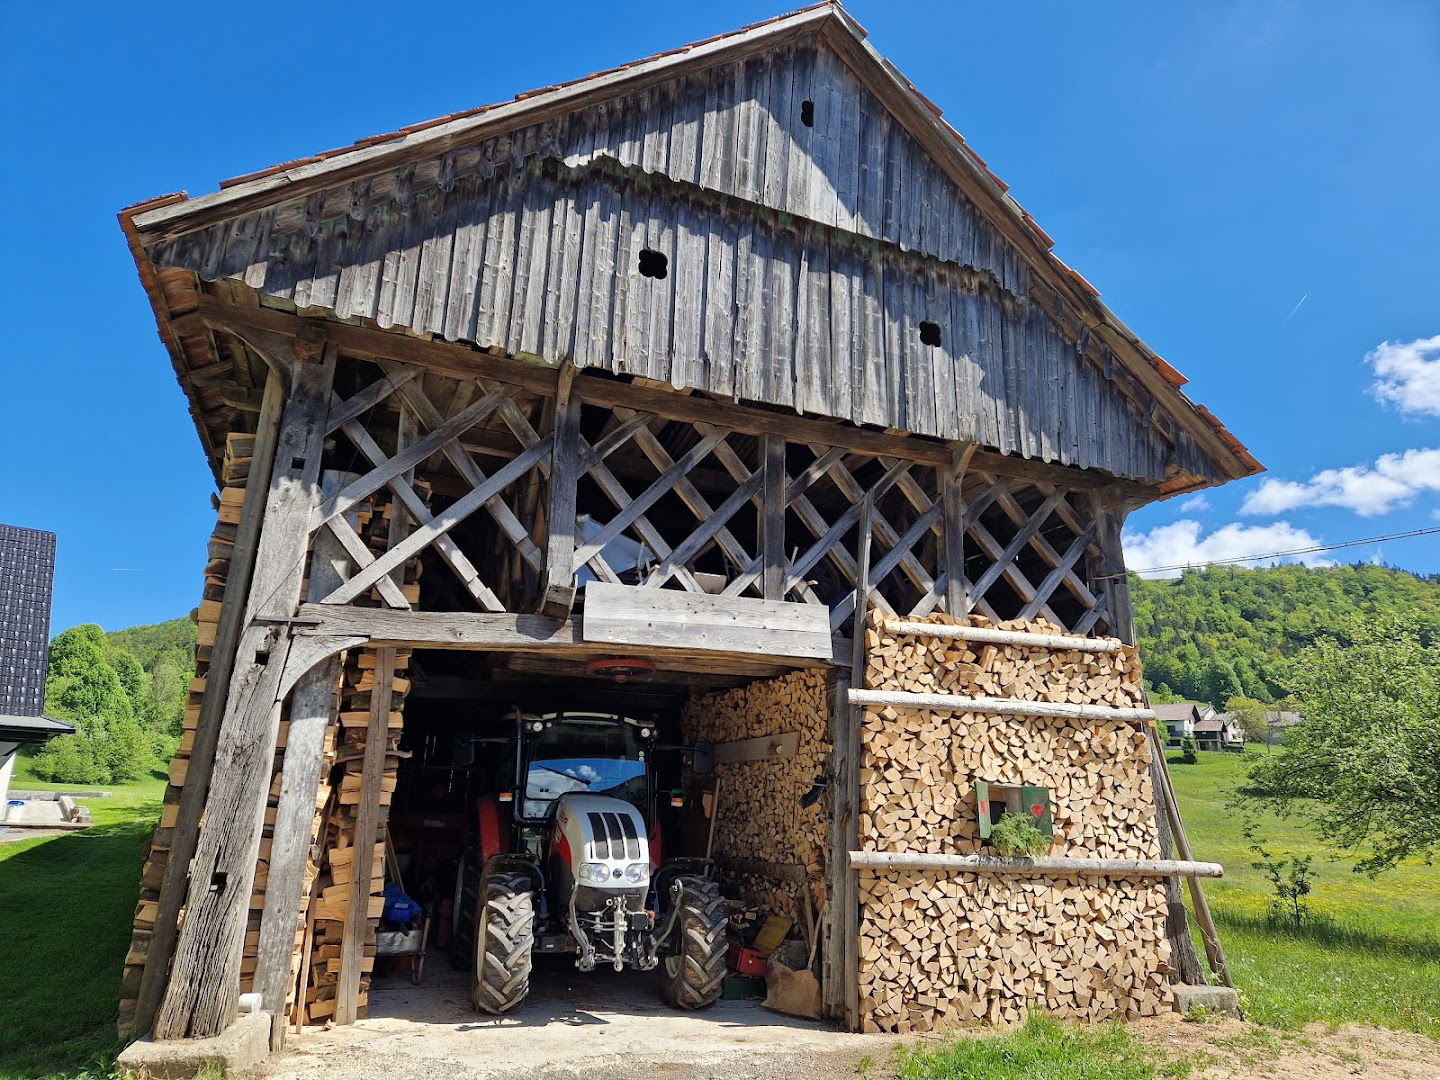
pixel 423 433
pixel 939 538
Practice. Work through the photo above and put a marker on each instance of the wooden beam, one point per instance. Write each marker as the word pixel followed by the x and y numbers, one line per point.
pixel 998 706
pixel 312 711
pixel 625 615
pixel 204 983
pixel 557 590
pixel 1018 638
pixel 772 525
pixel 348 626
pixel 760 748
pixel 185 834
pixel 367 828
pixel 1042 865
pixel 952 478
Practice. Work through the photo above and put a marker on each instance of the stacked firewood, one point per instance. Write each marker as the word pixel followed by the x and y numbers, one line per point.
pixel 760 817
pixel 938 949
pixel 338 839
pixel 235 469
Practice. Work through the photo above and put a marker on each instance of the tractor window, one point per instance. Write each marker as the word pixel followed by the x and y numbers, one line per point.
pixel 580 756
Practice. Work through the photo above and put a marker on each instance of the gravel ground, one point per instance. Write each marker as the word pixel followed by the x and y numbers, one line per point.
pixel 609 1026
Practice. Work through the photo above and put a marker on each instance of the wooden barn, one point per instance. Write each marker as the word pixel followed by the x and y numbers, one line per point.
pixel 728 389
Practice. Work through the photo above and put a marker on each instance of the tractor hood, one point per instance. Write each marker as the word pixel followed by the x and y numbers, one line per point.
pixel 598 829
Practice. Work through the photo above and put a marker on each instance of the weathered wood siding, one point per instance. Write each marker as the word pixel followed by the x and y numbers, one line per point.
pixel 801 261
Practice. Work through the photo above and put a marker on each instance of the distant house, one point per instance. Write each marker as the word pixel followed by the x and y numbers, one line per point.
pixel 1219 731
pixel 1278 724
pixel 1180 719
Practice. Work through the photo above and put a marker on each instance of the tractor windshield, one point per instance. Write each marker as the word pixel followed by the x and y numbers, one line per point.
pixel 572 754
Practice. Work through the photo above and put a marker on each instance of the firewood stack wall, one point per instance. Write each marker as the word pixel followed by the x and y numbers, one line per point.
pixel 760 819
pixel 942 949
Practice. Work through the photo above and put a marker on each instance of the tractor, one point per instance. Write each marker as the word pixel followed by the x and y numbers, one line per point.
pixel 568 860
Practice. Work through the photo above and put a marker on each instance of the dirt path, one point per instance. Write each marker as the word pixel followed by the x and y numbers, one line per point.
pixel 614 1027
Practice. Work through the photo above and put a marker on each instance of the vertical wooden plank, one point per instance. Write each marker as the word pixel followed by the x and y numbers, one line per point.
pixel 773 525
pixel 186 832
pixel 957 587
pixel 204 983
pixel 367 828
pixel 558 593
pixel 312 710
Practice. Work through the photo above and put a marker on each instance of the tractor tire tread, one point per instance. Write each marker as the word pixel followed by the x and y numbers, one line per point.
pixel 504 941
pixel 699 974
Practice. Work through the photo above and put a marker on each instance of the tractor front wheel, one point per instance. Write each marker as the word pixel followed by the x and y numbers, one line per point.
pixel 504 939
pixel 695 969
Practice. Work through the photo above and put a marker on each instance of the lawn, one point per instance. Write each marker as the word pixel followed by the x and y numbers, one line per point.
pixel 1371 956
pixel 69 901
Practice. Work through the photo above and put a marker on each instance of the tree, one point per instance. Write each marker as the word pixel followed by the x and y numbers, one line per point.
pixel 1249 714
pixel 85 689
pixel 1363 769
pixel 1189 750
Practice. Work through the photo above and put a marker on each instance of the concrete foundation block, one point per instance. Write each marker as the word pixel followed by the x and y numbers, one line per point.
pixel 243 1044
pixel 1215 999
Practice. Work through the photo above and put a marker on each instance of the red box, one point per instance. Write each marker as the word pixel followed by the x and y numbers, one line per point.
pixel 744 960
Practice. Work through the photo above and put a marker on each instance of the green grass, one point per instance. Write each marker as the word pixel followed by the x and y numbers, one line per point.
pixel 1372 954
pixel 68 903
pixel 1041 1050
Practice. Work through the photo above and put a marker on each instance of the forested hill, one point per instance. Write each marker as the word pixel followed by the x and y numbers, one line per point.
pixel 1224 631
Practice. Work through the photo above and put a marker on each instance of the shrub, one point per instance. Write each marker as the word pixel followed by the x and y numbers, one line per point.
pixel 1189 751
pixel 1017 834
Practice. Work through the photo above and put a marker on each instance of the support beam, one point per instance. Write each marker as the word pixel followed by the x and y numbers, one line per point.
pixel 952 476
pixel 367 830
pixel 312 711
pixel 204 981
pixel 772 524
pixel 998 706
pixel 186 833
pixel 557 590
pixel 1040 866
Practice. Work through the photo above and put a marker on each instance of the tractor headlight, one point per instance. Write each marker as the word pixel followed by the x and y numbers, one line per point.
pixel 593 872
pixel 637 873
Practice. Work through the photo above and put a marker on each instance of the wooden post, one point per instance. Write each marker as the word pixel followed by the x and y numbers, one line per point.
pixel 772 525
pixel 312 711
pixel 952 476
pixel 557 593
pixel 367 829
pixel 204 981
pixel 850 831
pixel 186 832
pixel 1109 518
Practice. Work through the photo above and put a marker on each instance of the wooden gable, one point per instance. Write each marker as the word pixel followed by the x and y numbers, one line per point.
pixel 816 258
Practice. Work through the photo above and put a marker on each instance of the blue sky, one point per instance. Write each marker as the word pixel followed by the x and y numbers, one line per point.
pixel 1250 185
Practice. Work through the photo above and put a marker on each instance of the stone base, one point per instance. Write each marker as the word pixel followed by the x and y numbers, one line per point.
pixel 244 1043
pixel 1215 999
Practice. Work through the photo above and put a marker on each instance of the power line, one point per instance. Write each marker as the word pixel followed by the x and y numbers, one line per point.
pixel 1287 554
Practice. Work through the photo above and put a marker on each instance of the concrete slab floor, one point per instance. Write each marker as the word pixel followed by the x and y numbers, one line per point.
pixel 572 1026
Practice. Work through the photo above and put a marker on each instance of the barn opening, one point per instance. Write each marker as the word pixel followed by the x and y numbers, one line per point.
pixel 729 773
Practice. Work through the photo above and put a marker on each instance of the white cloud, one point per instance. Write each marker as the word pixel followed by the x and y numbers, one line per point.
pixel 1180 544
pixel 1195 504
pixel 1393 481
pixel 1408 374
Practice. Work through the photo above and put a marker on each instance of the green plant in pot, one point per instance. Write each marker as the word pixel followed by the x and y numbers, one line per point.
pixel 1019 834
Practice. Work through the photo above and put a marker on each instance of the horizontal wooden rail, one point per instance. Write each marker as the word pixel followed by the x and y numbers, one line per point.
pixel 1003 637
pixel 1001 706
pixel 1044 865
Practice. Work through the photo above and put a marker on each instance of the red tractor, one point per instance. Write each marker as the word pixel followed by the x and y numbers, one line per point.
pixel 569 861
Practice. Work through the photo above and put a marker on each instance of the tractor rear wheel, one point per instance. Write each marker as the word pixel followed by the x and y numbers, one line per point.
pixel 695 970
pixel 504 939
